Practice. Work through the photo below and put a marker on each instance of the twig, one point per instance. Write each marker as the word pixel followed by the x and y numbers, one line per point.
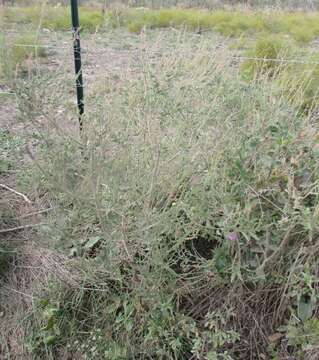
pixel 25 198
pixel 123 238
pixel 274 256
pixel 3 231
pixel 18 292
pixel 288 283
pixel 266 199
pixel 36 213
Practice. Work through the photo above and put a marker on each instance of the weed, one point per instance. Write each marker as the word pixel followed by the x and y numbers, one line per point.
pixel 264 59
pixel 227 211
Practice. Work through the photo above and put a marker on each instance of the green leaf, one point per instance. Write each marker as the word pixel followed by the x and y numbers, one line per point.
pixel 44 302
pixel 305 308
pixel 92 242
pixel 49 340
pixel 176 344
pixel 273 129
pixel 129 326
pixel 212 355
pixel 73 252
pixel 49 325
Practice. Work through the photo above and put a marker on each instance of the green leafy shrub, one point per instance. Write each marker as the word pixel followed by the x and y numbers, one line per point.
pixel 195 205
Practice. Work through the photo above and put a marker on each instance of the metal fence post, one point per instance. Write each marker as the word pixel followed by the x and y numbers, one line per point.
pixel 77 60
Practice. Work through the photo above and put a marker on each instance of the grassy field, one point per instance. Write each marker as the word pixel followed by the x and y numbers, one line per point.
pixel 182 223
pixel 206 4
pixel 301 26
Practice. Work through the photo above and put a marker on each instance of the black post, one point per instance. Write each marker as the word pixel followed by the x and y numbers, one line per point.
pixel 77 59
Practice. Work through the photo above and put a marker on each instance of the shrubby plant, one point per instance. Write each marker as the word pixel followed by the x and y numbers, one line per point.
pixel 190 210
pixel 185 217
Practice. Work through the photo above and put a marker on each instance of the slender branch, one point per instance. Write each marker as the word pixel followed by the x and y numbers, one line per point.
pixel 36 213
pixel 18 292
pixel 18 228
pixel 25 198
pixel 279 251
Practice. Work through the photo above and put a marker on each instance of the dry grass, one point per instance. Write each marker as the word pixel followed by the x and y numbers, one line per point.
pixel 31 268
pixel 254 312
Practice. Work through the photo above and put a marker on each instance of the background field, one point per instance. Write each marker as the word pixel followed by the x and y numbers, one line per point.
pixel 207 4
pixel 183 222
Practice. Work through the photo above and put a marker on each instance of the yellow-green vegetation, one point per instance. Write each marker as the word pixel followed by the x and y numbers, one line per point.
pixel 227 23
pixel 295 72
pixel 300 83
pixel 301 26
pixel 267 56
pixel 16 52
pixel 53 18
pixel 25 47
